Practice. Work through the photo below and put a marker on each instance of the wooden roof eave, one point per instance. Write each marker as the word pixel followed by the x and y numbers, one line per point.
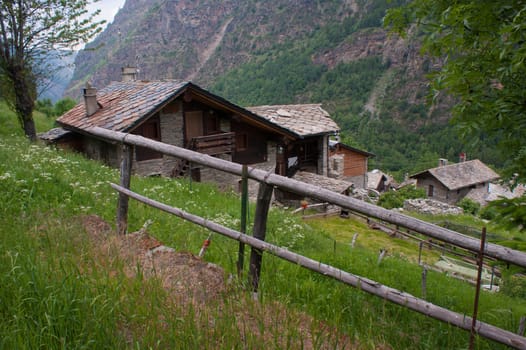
pixel 356 150
pixel 247 116
pixel 86 133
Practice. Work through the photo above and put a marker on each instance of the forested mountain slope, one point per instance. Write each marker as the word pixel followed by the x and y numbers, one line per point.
pixel 330 52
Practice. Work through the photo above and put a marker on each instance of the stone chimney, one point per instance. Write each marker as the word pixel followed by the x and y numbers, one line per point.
pixel 90 99
pixel 442 162
pixel 128 73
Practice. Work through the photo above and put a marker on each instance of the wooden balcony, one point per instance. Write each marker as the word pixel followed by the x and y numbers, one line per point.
pixel 214 144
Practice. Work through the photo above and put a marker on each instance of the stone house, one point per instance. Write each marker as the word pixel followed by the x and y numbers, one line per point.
pixel 451 183
pixel 310 157
pixel 281 139
pixel 377 181
pixel 312 126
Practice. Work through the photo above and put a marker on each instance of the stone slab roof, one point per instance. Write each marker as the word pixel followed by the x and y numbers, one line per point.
pixel 335 185
pixel 54 134
pixel 302 119
pixel 374 178
pixel 460 175
pixel 123 104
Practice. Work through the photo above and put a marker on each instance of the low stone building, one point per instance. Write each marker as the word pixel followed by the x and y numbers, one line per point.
pixel 451 183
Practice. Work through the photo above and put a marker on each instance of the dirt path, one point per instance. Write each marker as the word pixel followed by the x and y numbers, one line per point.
pixel 194 281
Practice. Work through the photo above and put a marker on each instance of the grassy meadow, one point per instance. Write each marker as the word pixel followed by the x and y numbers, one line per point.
pixel 57 292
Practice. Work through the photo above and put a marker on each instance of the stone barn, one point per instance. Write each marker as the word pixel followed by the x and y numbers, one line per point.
pixel 451 183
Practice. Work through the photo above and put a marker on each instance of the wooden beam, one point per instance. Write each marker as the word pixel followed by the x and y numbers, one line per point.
pixel 496 251
pixel 125 180
pixel 243 223
pixel 372 287
pixel 259 231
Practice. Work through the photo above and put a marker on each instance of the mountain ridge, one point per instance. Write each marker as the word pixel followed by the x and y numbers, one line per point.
pixel 335 53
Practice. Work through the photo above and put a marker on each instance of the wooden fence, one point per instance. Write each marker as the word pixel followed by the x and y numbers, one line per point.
pixel 267 182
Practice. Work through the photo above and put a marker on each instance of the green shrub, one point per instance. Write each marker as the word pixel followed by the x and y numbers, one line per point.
pixel 469 206
pixel 488 213
pixel 514 286
pixel 395 199
pixel 46 107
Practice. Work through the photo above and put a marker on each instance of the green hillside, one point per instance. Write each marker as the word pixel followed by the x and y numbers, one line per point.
pixel 63 289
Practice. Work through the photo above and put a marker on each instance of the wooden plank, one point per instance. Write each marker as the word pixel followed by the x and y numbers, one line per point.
pixel 215 150
pixel 477 290
pixel 496 251
pixel 243 223
pixel 372 287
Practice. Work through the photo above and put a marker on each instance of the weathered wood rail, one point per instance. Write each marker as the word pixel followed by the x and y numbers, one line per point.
pixel 267 182
pixel 393 295
pixel 496 251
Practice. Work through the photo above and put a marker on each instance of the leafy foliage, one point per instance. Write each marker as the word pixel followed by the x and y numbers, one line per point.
pixel 46 107
pixel 29 32
pixel 469 206
pixel 511 212
pixel 484 43
pixel 395 199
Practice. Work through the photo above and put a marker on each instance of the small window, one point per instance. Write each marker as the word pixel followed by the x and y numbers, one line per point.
pixel 241 142
pixel 430 191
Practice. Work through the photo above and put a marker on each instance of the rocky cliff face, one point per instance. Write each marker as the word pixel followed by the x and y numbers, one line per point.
pixel 197 39
pixel 253 52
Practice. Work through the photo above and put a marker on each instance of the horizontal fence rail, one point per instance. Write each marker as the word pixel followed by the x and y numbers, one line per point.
pixel 393 295
pixel 493 250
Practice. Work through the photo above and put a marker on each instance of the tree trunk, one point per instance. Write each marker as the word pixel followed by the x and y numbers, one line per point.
pixel 24 103
pixel 29 129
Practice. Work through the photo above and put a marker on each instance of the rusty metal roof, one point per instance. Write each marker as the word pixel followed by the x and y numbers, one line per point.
pixel 124 104
pixel 460 175
pixel 302 119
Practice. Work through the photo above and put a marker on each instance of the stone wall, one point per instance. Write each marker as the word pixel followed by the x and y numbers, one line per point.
pixel 430 206
pixel 172 132
pixel 102 151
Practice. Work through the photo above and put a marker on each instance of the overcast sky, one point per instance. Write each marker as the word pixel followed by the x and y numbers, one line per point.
pixel 109 8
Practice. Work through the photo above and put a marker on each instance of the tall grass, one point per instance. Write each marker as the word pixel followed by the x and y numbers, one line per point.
pixel 58 293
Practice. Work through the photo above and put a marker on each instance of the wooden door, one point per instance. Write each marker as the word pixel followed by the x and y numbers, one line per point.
pixel 193 125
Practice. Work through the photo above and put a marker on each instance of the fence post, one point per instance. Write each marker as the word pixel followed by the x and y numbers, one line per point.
pixel 244 212
pixel 259 231
pixel 424 282
pixel 522 325
pixel 122 206
pixel 477 288
pixel 420 252
pixel 353 242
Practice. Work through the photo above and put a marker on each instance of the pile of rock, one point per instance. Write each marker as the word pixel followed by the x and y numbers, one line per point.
pixel 430 206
